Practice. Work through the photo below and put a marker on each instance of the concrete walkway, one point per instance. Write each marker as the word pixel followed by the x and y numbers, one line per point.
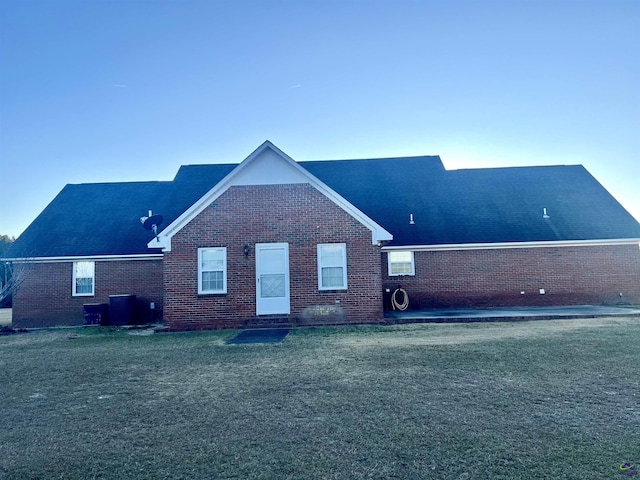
pixel 504 314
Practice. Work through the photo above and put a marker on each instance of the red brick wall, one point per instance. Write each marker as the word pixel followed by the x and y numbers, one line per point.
pixel 591 275
pixel 245 215
pixel 45 299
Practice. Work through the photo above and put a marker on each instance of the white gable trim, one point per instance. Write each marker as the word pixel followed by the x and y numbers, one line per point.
pixel 503 245
pixel 274 168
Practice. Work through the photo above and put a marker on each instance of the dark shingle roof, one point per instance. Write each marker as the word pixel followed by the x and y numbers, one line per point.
pixel 478 205
pixel 449 207
pixel 93 219
pixel 193 181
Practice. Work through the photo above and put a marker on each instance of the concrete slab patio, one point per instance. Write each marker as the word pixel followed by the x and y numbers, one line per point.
pixel 505 314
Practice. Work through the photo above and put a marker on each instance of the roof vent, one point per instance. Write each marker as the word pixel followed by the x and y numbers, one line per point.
pixel 411 222
pixel 544 213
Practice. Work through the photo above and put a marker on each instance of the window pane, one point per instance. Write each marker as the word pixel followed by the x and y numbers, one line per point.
pixel 84 269
pixel 331 255
pixel 400 268
pixel 401 263
pixel 332 277
pixel 83 273
pixel 400 256
pixel 84 285
pixel 212 259
pixel 212 281
pixel 212 270
pixel 332 266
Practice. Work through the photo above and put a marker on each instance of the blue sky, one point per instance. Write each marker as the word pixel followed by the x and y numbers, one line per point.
pixel 103 91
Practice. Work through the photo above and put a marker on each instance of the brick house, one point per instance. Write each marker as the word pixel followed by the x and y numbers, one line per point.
pixel 318 242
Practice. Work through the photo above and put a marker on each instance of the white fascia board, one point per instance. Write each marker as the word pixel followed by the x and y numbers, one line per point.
pixel 241 175
pixel 76 258
pixel 161 241
pixel 506 245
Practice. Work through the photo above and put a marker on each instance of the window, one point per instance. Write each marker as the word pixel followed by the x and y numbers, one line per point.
pixel 83 278
pixel 401 263
pixel 212 270
pixel 332 266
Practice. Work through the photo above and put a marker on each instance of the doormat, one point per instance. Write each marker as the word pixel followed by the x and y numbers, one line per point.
pixel 267 335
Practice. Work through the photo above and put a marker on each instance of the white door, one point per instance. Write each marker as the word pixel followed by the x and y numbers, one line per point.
pixel 272 279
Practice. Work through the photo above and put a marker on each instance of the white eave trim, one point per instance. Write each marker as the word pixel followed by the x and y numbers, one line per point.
pixel 505 245
pixel 76 258
pixel 378 233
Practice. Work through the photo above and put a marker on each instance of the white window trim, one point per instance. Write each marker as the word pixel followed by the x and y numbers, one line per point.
pixel 389 263
pixel 224 272
pixel 74 277
pixel 343 265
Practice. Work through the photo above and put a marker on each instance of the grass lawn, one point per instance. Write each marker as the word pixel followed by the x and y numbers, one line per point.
pixel 527 400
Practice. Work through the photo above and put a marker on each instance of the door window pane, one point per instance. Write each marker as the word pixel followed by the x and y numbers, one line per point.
pixel 272 285
pixel 272 260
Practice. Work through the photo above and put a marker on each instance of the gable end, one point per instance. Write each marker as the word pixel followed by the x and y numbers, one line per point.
pixel 268 165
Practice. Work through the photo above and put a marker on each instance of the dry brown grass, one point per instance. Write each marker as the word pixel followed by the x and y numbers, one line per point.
pixel 530 400
pixel 441 334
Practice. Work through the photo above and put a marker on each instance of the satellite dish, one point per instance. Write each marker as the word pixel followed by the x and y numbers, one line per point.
pixel 151 223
